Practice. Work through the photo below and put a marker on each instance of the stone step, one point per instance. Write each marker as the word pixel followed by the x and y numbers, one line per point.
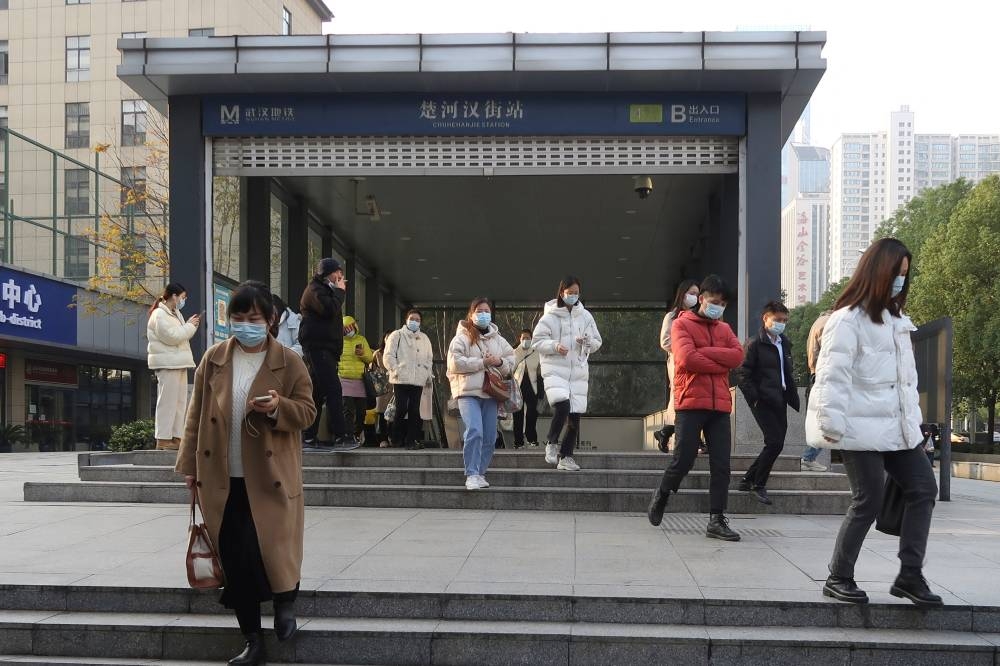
pixel 31 660
pixel 149 636
pixel 431 476
pixel 388 604
pixel 451 459
pixel 496 498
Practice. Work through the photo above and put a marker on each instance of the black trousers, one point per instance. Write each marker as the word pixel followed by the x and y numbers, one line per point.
pixel 690 424
pixel 866 471
pixel 562 417
pixel 407 427
pixel 354 414
pixel 239 550
pixel 323 369
pixel 526 418
pixel 773 423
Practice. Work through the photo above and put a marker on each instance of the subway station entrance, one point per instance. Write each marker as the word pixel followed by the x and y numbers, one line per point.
pixel 443 167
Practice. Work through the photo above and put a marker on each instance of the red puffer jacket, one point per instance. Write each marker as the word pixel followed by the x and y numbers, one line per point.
pixel 704 351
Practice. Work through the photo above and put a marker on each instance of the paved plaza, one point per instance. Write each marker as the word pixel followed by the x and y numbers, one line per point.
pixel 781 557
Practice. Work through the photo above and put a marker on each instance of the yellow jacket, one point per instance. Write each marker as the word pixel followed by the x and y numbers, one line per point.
pixel 351 365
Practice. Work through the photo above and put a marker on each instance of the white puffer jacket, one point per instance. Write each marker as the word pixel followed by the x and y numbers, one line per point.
pixel 288 331
pixel 408 357
pixel 169 340
pixel 865 397
pixel 465 361
pixel 566 377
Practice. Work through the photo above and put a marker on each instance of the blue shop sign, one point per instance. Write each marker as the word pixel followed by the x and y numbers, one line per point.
pixel 36 308
pixel 476 114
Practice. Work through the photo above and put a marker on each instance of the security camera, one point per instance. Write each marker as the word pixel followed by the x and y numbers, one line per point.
pixel 643 186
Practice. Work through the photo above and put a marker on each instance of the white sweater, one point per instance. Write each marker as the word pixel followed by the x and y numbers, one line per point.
pixel 245 369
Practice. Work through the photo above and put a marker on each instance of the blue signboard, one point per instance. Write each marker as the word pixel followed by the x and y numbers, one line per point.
pixel 36 308
pixel 476 114
pixel 220 311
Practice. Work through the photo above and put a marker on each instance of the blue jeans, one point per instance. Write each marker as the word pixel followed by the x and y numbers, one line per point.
pixel 480 437
pixel 811 453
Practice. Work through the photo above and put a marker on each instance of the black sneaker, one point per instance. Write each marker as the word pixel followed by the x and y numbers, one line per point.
pixel 518 445
pixel 718 528
pixel 760 494
pixel 345 443
pixel 744 486
pixel 913 586
pixel 844 589
pixel 657 505
pixel 415 446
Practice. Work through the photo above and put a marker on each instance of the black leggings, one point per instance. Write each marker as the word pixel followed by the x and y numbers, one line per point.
pixel 560 418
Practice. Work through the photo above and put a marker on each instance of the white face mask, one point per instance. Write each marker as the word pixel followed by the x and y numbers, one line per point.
pixel 525 344
pixel 690 300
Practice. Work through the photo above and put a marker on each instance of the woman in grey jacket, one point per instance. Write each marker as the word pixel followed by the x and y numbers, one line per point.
pixel 477 347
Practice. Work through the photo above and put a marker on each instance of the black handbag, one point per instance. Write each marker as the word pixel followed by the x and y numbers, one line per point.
pixel 889 519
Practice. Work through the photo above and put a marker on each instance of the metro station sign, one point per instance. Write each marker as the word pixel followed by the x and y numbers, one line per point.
pixel 36 308
pixel 476 114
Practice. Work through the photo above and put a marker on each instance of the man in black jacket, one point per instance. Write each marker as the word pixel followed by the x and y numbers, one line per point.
pixel 768 384
pixel 321 335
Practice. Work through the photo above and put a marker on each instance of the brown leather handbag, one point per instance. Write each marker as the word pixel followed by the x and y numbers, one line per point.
pixel 495 386
pixel 204 569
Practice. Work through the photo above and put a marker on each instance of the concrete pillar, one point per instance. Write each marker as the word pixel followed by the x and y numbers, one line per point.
pixel 298 251
pixel 255 229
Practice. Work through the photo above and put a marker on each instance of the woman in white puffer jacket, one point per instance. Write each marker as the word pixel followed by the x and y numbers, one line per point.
pixel 865 403
pixel 477 345
pixel 565 337
pixel 169 356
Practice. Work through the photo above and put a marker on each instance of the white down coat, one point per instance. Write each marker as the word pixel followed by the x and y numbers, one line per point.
pixel 466 369
pixel 865 397
pixel 408 357
pixel 169 338
pixel 566 377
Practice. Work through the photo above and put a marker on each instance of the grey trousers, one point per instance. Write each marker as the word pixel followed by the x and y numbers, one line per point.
pixel 866 471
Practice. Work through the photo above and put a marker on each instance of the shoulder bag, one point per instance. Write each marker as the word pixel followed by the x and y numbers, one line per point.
pixel 204 569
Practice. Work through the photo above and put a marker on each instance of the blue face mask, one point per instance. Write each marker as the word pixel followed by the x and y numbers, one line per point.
pixel 571 299
pixel 777 328
pixel 483 319
pixel 181 303
pixel 413 325
pixel 714 311
pixel 249 335
pixel 897 285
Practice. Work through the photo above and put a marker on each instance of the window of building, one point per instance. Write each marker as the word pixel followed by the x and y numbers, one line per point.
pixel 3 116
pixel 4 4
pixel 78 58
pixel 77 124
pixel 77 196
pixel 105 397
pixel 286 21
pixel 133 258
pixel 4 64
pixel 201 32
pixel 133 122
pixel 134 35
pixel 133 197
pixel 77 2
pixel 76 258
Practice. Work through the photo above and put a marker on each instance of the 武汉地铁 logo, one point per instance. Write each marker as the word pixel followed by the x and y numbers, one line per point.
pixel 229 115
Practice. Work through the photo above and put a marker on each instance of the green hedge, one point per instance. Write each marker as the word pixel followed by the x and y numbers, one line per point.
pixel 133 436
pixel 980 447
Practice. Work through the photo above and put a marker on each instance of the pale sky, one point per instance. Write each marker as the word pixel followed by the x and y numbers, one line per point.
pixel 940 58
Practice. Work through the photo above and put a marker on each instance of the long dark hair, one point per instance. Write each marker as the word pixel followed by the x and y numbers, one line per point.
pixel 682 290
pixel 171 290
pixel 469 325
pixel 870 287
pixel 251 294
pixel 566 283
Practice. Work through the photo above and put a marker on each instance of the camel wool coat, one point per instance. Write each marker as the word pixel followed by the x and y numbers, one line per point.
pixel 272 462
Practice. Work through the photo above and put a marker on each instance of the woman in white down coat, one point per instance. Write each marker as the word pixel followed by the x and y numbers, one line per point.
pixel 477 345
pixel 565 337
pixel 865 403
pixel 169 356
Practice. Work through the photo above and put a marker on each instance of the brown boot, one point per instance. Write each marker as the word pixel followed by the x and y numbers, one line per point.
pixel 166 445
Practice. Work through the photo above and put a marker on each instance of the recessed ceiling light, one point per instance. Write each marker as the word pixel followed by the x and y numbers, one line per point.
pixel 631 211
pixel 447 293
pixel 623 259
pixel 626 238
pixel 405 238
pixel 421 260
pixel 619 277
pixel 386 213
pixel 617 293
pixel 435 277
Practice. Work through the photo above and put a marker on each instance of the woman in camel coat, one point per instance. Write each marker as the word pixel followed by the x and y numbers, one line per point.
pixel 245 458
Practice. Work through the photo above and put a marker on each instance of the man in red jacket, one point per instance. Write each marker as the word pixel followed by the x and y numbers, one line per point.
pixel 705 349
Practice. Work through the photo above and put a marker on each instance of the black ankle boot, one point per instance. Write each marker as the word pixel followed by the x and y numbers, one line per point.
pixel 844 589
pixel 657 505
pixel 718 528
pixel 284 620
pixel 911 584
pixel 253 654
pixel 662 437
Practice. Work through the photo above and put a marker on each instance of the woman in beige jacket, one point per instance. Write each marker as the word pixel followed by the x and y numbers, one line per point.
pixel 169 356
pixel 477 345
pixel 242 450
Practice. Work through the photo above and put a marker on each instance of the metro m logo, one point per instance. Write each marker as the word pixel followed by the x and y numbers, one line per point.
pixel 229 115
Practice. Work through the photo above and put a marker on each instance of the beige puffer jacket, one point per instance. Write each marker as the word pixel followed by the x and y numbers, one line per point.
pixel 169 340
pixel 465 360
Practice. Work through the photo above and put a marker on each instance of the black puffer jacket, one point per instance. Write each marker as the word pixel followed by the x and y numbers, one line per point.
pixel 760 375
pixel 322 324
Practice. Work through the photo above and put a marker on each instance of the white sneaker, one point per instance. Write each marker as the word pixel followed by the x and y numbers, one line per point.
pixel 812 466
pixel 474 483
pixel 552 453
pixel 567 464
pixel 483 483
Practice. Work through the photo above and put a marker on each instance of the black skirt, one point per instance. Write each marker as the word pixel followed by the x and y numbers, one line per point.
pixel 239 550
